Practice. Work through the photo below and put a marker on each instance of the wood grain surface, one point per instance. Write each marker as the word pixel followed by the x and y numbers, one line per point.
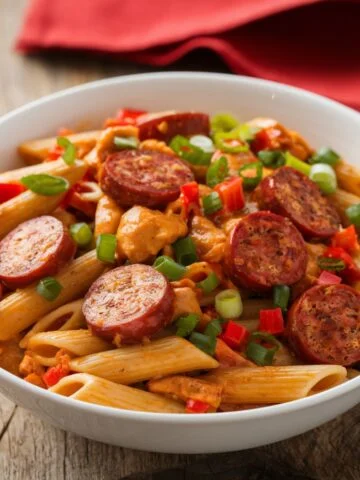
pixel 31 449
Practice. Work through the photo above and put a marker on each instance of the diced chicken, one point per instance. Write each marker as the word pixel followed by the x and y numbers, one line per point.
pixel 209 240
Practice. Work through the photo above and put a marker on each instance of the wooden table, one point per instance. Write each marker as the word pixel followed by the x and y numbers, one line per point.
pixel 31 449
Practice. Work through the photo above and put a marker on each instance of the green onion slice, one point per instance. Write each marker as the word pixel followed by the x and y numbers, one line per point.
pixel 126 142
pixel 49 288
pixel 217 172
pixel 168 267
pixel 230 142
pixel 209 283
pixel 81 233
pixel 271 158
pixel 214 328
pixel 325 155
pixel 260 355
pixel 251 174
pixel 228 304
pixel 205 343
pixel 185 251
pixel 203 142
pixel 281 296
pixel 324 176
pixel 212 203
pixel 294 162
pixel 223 122
pixel 353 214
pixel 331 264
pixel 266 337
pixel 47 185
pixel 186 324
pixel 189 152
pixel 106 247
pixel 69 154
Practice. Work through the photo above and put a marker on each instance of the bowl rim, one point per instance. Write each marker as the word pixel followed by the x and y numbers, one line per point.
pixel 178 418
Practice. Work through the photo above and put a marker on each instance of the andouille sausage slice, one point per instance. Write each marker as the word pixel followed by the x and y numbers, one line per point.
pixel 290 193
pixel 324 325
pixel 264 250
pixel 129 303
pixel 143 177
pixel 34 249
pixel 165 125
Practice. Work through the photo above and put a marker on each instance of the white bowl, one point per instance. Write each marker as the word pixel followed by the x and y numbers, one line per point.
pixel 321 121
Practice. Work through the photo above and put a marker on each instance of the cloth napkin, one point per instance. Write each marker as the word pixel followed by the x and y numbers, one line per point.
pixel 313 44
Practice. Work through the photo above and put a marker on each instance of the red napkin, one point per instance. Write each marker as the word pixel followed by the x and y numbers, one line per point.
pixel 314 44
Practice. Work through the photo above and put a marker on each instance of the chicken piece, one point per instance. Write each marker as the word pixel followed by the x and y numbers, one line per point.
pixel 30 365
pixel 107 216
pixel 142 233
pixel 187 387
pixel 209 240
pixel 185 302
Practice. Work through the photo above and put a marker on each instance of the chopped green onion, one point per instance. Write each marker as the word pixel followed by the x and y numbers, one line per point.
pixel 214 328
pixel 186 324
pixel 46 185
pixel 245 132
pixel 69 154
pixel 49 288
pixel 230 142
pixel 325 155
pixel 126 142
pixel 189 152
pixel 106 247
pixel 204 342
pixel 271 158
pixel 223 122
pixel 209 283
pixel 353 214
pixel 168 267
pixel 217 172
pixel 212 203
pixel 256 171
pixel 203 142
pixel 228 304
pixel 331 264
pixel 259 354
pixel 324 176
pixel 185 251
pixel 281 296
pixel 81 233
pixel 291 161
pixel 266 337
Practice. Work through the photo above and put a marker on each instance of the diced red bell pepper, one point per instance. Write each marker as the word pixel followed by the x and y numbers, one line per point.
pixel 351 273
pixel 328 278
pixel 10 190
pixel 73 198
pixel 125 116
pixel 64 132
pixel 262 141
pixel 196 406
pixel 231 194
pixel 54 154
pixel 190 196
pixel 53 375
pixel 234 335
pixel 346 239
pixel 271 321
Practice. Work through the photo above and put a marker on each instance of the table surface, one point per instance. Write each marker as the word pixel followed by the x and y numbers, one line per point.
pixel 32 449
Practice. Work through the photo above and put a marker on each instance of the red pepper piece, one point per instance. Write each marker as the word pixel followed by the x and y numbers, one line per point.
pixel 351 273
pixel 234 335
pixel 262 141
pixel 53 375
pixel 346 239
pixel 271 321
pixel 10 190
pixel 231 194
pixel 125 116
pixel 196 406
pixel 54 153
pixel 328 278
pixel 190 197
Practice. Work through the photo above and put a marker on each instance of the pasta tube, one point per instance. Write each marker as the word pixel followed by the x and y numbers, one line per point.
pixel 36 151
pixel 267 385
pixel 46 345
pixel 348 177
pixel 50 168
pixel 29 204
pixel 66 317
pixel 107 216
pixel 91 389
pixel 137 363
pixel 343 199
pixel 21 309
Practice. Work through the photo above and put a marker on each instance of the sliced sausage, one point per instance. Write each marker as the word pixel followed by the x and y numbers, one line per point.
pixel 264 250
pixel 33 250
pixel 292 194
pixel 324 325
pixel 143 177
pixel 165 125
pixel 129 303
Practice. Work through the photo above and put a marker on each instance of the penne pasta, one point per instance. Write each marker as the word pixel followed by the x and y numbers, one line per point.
pixel 76 343
pixel 36 151
pixel 105 143
pixel 348 177
pixel 50 168
pixel 91 389
pixel 21 309
pixel 29 204
pixel 269 385
pixel 66 317
pixel 343 199
pixel 133 364
pixel 107 217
